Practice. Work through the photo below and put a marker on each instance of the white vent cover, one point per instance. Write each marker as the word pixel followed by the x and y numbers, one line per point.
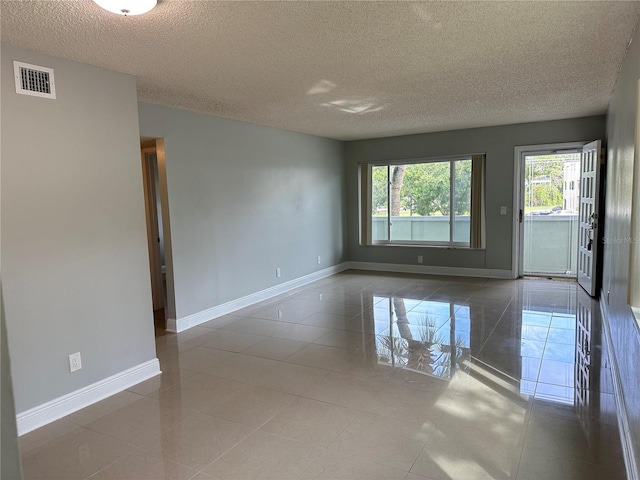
pixel 34 80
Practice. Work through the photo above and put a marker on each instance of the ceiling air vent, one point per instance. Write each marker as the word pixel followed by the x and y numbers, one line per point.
pixel 34 80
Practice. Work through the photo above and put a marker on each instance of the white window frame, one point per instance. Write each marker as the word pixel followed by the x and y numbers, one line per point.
pixel 412 243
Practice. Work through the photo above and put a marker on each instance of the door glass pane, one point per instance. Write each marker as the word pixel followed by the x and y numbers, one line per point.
pixel 421 210
pixel 462 199
pixel 379 203
pixel 551 205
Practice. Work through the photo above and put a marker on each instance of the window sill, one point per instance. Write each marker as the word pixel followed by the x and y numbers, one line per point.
pixel 417 245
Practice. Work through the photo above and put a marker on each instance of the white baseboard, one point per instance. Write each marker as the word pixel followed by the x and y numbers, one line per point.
pixel 74 401
pixel 431 270
pixel 184 323
pixel 626 439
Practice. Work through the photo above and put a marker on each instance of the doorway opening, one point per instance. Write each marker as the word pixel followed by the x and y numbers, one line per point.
pixel 557 228
pixel 547 206
pixel 551 206
pixel 158 232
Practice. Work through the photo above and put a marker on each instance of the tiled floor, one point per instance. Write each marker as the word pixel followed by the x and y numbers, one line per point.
pixel 363 376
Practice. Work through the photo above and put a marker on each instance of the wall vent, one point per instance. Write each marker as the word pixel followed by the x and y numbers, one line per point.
pixel 34 80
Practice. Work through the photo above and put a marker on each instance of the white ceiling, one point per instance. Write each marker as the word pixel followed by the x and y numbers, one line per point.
pixel 349 70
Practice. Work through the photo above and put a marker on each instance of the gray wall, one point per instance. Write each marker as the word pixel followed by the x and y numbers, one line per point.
pixel 243 201
pixel 621 122
pixel 498 143
pixel 10 468
pixel 75 261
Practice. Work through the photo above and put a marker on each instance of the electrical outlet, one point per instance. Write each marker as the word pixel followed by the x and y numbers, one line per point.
pixel 503 210
pixel 318 259
pixel 419 258
pixel 277 273
pixel 75 362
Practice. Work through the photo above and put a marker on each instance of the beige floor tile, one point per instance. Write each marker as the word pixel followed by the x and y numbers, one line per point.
pixel 192 335
pixel 170 349
pixel 302 333
pixel 264 456
pixel 311 421
pixel 202 358
pixel 231 341
pixel 197 440
pixel 143 466
pixel 415 476
pixel 333 321
pixel 403 402
pixel 428 383
pixel 346 339
pixel 548 467
pixel 343 294
pixel 348 310
pixel 248 404
pixel 243 368
pixel 197 393
pixel 365 366
pixel 103 407
pixel 470 454
pixel 350 468
pixel 346 390
pixel 74 455
pixel 559 437
pixel 321 356
pixel 136 422
pixel 311 397
pixel 42 435
pixel 256 326
pixel 275 348
pixel 290 310
pixel 290 378
pixel 384 440
pixel 171 375
pixel 203 476
pixel 221 321
pixel 353 287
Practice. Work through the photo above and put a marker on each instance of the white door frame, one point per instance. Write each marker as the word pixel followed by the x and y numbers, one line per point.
pixel 518 194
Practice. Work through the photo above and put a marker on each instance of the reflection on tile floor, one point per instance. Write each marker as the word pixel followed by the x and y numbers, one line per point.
pixel 363 376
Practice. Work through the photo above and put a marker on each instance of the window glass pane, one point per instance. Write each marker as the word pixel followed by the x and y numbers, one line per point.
pixel 421 208
pixel 379 203
pixel 462 200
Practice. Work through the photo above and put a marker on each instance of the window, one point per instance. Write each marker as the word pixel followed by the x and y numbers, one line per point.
pixel 431 202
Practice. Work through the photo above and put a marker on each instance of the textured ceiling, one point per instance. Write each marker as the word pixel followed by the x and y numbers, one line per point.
pixel 349 70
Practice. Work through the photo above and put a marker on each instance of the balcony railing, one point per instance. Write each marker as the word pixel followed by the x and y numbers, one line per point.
pixel 550 246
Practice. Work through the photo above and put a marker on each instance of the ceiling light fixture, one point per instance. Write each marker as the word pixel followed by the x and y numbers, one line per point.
pixel 127 7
